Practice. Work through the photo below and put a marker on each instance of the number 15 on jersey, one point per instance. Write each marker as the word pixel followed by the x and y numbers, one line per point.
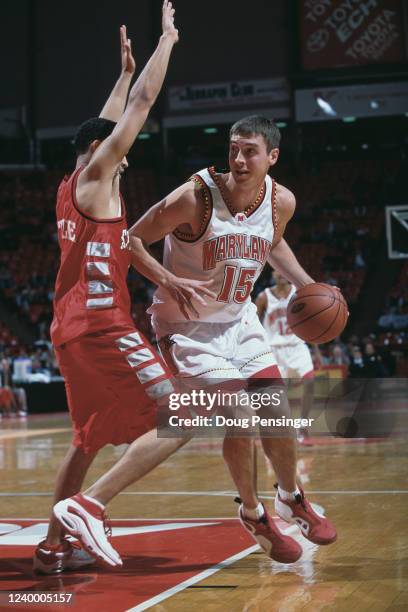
pixel 237 284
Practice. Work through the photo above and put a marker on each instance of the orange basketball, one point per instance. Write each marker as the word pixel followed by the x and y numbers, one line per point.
pixel 317 313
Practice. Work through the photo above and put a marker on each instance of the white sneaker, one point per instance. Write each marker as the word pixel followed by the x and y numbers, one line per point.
pixel 85 519
pixel 56 559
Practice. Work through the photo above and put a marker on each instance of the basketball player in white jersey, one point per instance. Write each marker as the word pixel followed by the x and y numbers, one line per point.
pixel 225 227
pixel 292 354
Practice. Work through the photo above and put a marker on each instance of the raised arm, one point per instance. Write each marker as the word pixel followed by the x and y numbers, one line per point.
pixel 115 104
pixel 282 258
pixel 143 94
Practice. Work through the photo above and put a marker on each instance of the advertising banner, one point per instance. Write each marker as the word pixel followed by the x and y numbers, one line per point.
pixel 226 94
pixel 339 33
pixel 374 100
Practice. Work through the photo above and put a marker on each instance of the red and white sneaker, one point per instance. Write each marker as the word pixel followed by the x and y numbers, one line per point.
pixel 86 520
pixel 56 559
pixel 314 526
pixel 275 544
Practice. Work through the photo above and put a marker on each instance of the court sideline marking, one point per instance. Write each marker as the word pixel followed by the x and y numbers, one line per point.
pixel 28 433
pixel 264 494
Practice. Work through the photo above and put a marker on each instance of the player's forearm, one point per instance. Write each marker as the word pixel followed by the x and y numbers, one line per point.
pixel 146 264
pixel 284 261
pixel 115 104
pixel 148 85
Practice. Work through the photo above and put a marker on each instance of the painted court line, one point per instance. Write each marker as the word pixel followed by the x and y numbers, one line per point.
pixel 264 494
pixel 29 433
pixel 193 580
pixel 124 520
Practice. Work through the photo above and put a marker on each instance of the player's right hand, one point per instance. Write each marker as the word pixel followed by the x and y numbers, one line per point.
pixel 127 59
pixel 184 290
pixel 169 29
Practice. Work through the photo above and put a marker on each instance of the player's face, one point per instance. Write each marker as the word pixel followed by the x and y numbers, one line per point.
pixel 249 159
pixel 279 279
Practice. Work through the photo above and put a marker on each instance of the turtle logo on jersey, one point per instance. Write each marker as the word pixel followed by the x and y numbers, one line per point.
pixel 124 239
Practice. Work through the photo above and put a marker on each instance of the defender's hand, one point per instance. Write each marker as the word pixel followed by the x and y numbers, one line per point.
pixel 168 26
pixel 128 61
pixel 184 290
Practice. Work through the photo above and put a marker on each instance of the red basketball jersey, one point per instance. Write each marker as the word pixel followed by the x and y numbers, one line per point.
pixel 91 293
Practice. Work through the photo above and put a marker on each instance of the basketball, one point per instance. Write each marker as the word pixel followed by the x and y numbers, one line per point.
pixel 317 313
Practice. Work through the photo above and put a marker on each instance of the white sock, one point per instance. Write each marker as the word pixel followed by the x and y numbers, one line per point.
pixel 254 513
pixel 94 501
pixel 288 495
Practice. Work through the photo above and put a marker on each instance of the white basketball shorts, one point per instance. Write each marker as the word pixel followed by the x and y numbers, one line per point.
pixel 294 361
pixel 237 349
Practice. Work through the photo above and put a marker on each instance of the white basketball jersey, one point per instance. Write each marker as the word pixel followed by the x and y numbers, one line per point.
pixel 232 250
pixel 275 321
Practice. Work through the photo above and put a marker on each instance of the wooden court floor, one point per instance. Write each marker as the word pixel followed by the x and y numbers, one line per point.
pixel 362 486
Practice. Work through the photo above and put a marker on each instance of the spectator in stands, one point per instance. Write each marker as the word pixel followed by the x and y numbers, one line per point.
pixel 338 354
pixel 13 400
pixel 389 361
pixel 373 364
pixel 356 366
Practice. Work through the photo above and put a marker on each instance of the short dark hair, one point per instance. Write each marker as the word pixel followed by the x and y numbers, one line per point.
pixel 92 129
pixel 259 126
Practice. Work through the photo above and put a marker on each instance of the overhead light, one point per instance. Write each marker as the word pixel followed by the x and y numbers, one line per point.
pixel 374 104
pixel 406 114
pixel 326 107
pixel 349 119
pixel 210 130
pixel 281 124
pixel 329 148
pixel 144 136
pixel 364 146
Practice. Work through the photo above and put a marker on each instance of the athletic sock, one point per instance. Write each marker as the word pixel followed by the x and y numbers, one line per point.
pixel 288 495
pixel 254 513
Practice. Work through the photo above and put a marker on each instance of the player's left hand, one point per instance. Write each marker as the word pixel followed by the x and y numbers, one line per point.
pixel 128 61
pixel 168 27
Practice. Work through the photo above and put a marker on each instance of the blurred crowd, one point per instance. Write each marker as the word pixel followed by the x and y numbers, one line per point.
pixel 361 357
pixel 395 315
pixel 339 221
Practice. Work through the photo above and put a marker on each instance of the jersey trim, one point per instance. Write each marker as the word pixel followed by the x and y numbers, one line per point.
pixel 218 182
pixel 89 217
pixel 184 237
pixel 274 207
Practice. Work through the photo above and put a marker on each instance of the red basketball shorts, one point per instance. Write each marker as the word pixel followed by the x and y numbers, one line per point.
pixel 113 381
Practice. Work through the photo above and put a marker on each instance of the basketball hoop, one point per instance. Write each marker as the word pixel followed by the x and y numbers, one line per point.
pixel 396 218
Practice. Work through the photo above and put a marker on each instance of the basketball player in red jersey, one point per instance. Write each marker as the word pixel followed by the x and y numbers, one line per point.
pixel 113 376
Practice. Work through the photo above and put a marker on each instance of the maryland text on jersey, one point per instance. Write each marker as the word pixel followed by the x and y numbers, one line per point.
pixel 235 246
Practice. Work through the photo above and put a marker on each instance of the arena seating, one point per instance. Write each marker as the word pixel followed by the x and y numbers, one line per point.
pixel 338 221
pixel 339 211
